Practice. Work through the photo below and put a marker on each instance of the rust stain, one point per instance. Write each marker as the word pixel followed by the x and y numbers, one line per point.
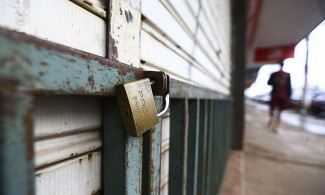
pixel 88 3
pixel 63 52
pixel 112 49
pixel 28 123
pixel 90 157
pixel 41 73
pixel 80 161
pixel 44 64
pixel 91 81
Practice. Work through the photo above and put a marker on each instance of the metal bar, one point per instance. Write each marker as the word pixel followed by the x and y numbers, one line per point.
pixel 176 149
pixel 44 67
pixel 209 148
pixel 154 162
pixel 113 149
pixel 16 140
pixel 151 158
pixel 219 147
pixel 238 53
pixel 193 120
pixel 197 143
pixel 122 154
pixel 133 165
pixel 203 146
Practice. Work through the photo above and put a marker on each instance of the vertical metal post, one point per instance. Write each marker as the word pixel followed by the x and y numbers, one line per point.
pixel 193 145
pixel 238 48
pixel 202 147
pixel 122 162
pixel 209 148
pixel 151 158
pixel 16 140
pixel 177 160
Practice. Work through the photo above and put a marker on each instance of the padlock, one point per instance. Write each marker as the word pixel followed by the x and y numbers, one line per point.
pixel 137 106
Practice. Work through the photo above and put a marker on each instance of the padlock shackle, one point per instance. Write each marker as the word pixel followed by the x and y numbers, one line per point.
pixel 165 106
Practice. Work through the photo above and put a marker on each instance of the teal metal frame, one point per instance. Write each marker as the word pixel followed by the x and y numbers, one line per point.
pixel 200 121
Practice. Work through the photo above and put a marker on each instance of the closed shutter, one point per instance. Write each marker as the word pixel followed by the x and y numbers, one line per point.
pixel 65 70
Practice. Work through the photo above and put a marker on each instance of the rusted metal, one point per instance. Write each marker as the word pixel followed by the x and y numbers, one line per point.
pixel 45 67
pixel 89 6
pixel 179 89
pixel 159 82
pixel 16 140
pixel 40 66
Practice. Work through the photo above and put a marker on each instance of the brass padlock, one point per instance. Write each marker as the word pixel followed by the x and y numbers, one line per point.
pixel 137 106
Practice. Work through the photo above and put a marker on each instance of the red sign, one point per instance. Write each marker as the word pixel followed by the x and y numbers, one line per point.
pixel 272 54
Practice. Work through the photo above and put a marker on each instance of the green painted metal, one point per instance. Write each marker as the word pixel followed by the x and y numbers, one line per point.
pixel 113 149
pixel 199 132
pixel 41 66
pixel 176 146
pixel 122 154
pixel 151 160
pixel 16 140
pixel 193 125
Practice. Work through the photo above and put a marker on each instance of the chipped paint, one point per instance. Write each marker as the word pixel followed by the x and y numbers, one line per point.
pixel 16 140
pixel 154 156
pixel 25 57
pixel 112 49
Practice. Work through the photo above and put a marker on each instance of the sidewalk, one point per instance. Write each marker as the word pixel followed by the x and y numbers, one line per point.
pixel 289 163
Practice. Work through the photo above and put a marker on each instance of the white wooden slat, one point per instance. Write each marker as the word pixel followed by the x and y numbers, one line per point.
pixel 100 3
pixel 73 26
pixel 154 10
pixel 164 190
pixel 56 115
pixel 57 149
pixel 157 34
pixel 193 5
pixel 152 67
pixel 156 53
pixel 165 126
pixel 91 7
pixel 201 56
pixel 209 83
pixel 80 176
pixel 124 31
pixel 186 14
pixel 209 10
pixel 204 45
pixel 164 168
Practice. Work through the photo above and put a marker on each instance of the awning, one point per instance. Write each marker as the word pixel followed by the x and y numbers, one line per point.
pixel 274 27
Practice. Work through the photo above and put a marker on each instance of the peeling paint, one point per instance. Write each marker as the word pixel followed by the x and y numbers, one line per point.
pixel 112 49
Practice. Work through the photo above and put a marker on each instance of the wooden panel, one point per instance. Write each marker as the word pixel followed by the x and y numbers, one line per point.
pixel 74 26
pixel 154 10
pixel 165 127
pixel 57 149
pixel 124 31
pixel 183 14
pixel 80 176
pixel 154 52
pixel 164 171
pixel 58 115
pixel 206 65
